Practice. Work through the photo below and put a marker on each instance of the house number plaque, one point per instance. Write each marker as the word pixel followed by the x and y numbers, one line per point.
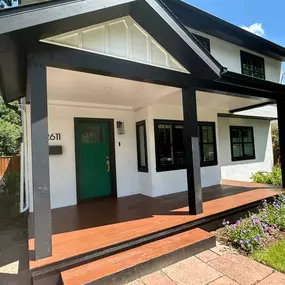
pixel 54 137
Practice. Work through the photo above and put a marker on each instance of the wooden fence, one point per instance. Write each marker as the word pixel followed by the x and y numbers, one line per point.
pixel 9 164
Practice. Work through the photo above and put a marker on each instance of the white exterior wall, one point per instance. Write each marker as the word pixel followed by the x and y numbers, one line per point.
pixel 175 181
pixel 153 184
pixel 228 55
pixel 242 170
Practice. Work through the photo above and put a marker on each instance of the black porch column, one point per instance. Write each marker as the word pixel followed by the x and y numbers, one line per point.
pixel 192 151
pixel 40 159
pixel 281 128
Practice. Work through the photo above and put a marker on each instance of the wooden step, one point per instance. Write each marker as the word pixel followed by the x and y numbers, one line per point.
pixel 128 265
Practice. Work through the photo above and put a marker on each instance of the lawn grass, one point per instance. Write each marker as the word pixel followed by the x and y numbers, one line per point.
pixel 273 255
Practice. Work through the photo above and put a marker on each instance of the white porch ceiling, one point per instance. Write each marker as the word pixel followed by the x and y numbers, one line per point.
pixel 72 87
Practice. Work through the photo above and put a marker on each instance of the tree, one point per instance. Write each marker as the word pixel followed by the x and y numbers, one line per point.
pixel 275 143
pixel 10 129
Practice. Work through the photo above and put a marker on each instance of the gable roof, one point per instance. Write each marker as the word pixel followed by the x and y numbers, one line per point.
pixel 24 26
pixel 200 20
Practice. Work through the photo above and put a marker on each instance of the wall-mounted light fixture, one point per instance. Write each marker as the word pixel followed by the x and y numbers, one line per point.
pixel 120 128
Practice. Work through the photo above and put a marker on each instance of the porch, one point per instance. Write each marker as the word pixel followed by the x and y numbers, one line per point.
pixel 99 228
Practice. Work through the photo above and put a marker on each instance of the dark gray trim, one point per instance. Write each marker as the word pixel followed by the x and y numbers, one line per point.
pixel 50 11
pixel 140 167
pixel 72 59
pixel 111 153
pixel 239 85
pixel 175 38
pixel 254 106
pixel 281 128
pixel 244 56
pixel 243 157
pixel 200 20
pixel 201 143
pixel 192 153
pixel 234 116
pixel 40 159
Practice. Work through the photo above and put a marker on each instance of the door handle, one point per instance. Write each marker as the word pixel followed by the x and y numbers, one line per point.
pixel 108 163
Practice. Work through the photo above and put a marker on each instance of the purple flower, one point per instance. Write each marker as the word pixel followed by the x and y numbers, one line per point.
pixel 241 241
pixel 275 226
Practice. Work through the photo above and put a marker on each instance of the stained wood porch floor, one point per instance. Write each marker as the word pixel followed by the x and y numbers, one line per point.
pixel 98 224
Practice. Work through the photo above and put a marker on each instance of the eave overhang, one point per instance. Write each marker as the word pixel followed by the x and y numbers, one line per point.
pixel 197 19
pixel 23 27
pixel 235 84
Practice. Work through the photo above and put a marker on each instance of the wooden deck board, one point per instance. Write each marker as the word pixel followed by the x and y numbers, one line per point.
pixel 122 261
pixel 90 227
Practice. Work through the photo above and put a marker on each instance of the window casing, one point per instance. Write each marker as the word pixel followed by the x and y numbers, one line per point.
pixel 141 146
pixel 252 65
pixel 208 145
pixel 242 143
pixel 169 145
pixel 204 42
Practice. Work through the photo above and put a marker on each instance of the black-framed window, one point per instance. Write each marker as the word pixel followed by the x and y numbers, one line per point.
pixel 208 146
pixel 141 146
pixel 204 42
pixel 169 144
pixel 242 143
pixel 252 65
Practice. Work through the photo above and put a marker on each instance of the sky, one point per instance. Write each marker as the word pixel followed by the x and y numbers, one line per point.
pixel 263 17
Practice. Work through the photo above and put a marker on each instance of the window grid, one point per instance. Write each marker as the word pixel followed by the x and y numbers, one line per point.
pixel 176 148
pixel 252 65
pixel 204 42
pixel 242 143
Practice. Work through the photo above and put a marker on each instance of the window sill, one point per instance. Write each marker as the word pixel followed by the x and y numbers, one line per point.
pixel 206 164
pixel 244 158
pixel 142 169
pixel 180 167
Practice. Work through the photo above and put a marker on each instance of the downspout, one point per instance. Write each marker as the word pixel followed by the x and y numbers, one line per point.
pixel 24 186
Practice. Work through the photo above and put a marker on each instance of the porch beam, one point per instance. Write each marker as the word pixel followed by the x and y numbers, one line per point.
pixel 192 152
pixel 40 159
pixel 77 60
pixel 281 127
pixel 250 107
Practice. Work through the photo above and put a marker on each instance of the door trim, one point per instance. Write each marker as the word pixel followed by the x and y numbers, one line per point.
pixel 112 156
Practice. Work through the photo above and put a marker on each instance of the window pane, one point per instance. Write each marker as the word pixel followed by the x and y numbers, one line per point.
pixel 207 132
pixel 165 144
pixel 237 150
pixel 208 153
pixel 142 150
pixel 179 145
pixel 92 134
pixel 236 135
pixel 247 135
pixel 248 149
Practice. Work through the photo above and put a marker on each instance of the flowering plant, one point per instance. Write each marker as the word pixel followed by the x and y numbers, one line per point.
pixel 246 233
pixel 273 214
pixel 250 233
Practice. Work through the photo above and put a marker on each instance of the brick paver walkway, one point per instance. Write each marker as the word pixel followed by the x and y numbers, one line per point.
pixel 218 266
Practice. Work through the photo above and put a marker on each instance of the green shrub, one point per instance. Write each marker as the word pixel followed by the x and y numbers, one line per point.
pixel 10 198
pixel 273 178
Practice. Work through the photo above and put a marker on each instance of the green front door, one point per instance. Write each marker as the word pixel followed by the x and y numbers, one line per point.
pixel 93 158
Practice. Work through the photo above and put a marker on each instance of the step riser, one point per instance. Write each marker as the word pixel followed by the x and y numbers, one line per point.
pixel 207 224
pixel 137 271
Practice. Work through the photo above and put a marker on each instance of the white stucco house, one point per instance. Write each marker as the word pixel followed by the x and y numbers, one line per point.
pixel 133 98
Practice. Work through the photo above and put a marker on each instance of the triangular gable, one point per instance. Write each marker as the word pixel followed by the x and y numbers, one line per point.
pixel 122 38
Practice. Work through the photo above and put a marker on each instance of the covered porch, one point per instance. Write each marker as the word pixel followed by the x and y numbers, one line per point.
pixel 95 229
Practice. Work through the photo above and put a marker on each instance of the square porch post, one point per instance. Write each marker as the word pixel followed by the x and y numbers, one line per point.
pixel 281 128
pixel 192 151
pixel 40 159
